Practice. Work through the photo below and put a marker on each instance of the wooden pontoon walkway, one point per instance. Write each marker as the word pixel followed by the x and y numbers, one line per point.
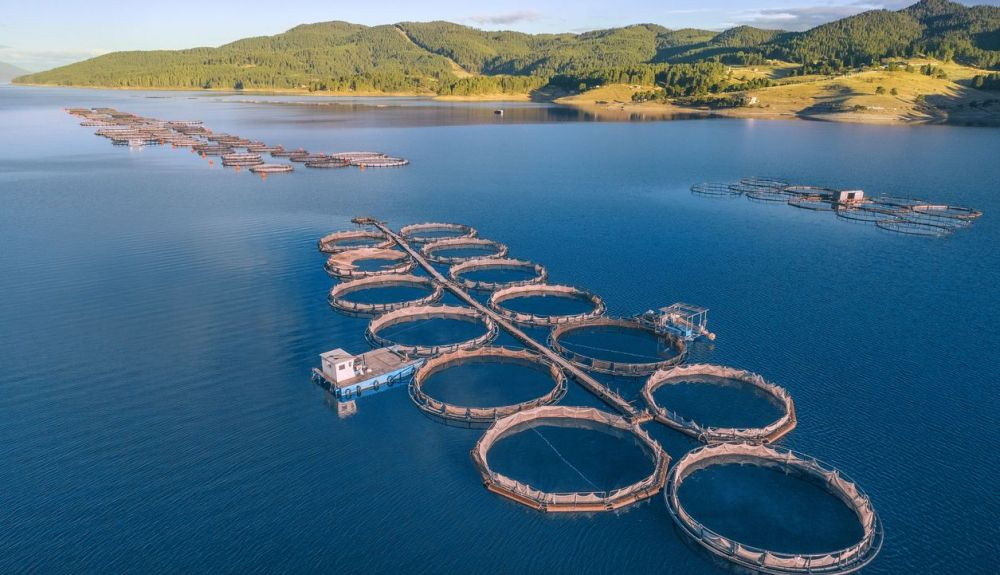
pixel 583 378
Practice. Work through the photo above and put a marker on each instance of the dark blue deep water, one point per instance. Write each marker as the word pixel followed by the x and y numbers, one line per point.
pixel 159 318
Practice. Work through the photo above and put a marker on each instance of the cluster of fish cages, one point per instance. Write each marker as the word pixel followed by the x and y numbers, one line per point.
pixel 425 248
pixel 910 216
pixel 134 131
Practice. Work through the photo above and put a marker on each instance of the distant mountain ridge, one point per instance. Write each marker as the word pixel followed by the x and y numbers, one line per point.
pixel 429 57
pixel 9 72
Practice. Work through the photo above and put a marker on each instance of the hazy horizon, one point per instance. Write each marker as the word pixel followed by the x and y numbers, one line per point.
pixel 54 34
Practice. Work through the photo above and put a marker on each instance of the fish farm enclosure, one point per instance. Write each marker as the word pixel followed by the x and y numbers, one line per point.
pixel 126 129
pixel 436 258
pixel 902 215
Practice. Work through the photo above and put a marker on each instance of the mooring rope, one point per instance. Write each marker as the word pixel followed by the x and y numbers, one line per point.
pixel 571 466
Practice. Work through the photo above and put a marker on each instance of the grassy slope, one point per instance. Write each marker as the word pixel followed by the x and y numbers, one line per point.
pixel 835 98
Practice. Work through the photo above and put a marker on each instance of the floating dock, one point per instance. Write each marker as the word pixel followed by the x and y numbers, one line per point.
pixel 347 376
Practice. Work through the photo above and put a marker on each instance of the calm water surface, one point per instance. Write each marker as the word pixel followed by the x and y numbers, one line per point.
pixel 160 317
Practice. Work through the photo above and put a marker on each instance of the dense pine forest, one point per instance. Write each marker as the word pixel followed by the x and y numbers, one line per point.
pixel 450 59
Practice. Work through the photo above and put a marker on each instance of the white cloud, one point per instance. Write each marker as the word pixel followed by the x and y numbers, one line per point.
pixel 37 60
pixel 506 18
pixel 806 17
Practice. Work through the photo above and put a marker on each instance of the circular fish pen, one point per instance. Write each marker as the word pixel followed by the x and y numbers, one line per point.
pixel 472 414
pixel 914 228
pixel 698 373
pixel 811 198
pixel 271 168
pixel 338 299
pixel 241 159
pixel 478 245
pixel 621 368
pixel 546 290
pixel 326 163
pixel 584 501
pixel 811 191
pixel 345 265
pixel 946 211
pixel 539 274
pixel 847 560
pixel 306 158
pixel 384 162
pixel 430 312
pixel 863 214
pixel 281 152
pixel 715 190
pixel 353 239
pixel 352 157
pixel 435 231
pixel 815 203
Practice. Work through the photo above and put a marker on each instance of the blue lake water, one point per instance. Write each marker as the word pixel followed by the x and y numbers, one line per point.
pixel 160 317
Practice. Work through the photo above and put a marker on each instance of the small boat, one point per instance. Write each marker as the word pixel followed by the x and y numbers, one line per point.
pixel 498 111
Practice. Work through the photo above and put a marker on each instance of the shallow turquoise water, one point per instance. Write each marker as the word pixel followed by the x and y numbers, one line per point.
pixel 160 318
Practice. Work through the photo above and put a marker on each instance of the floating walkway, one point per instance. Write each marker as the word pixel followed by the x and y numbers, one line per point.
pixel 604 393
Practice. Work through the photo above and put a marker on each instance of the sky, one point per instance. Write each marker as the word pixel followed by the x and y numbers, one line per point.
pixel 42 34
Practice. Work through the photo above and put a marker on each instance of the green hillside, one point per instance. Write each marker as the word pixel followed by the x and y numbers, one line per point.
pixel 446 58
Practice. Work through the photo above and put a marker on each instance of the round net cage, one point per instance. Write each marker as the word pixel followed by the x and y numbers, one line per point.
pixel 538 273
pixel 945 211
pixel 597 306
pixel 339 295
pixel 472 414
pixel 913 228
pixel 721 375
pixel 815 203
pixel 353 239
pixel 477 248
pixel 434 231
pixel 759 560
pixel 715 190
pixel 588 501
pixel 346 264
pixel 415 314
pixel 858 214
pixel 637 365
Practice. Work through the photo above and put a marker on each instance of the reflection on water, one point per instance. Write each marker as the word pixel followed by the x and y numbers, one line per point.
pixel 417 112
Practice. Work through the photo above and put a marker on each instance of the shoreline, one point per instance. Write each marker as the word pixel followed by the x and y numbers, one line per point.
pixel 662 111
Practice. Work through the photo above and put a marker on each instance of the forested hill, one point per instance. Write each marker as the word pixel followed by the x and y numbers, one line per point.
pixel 441 57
